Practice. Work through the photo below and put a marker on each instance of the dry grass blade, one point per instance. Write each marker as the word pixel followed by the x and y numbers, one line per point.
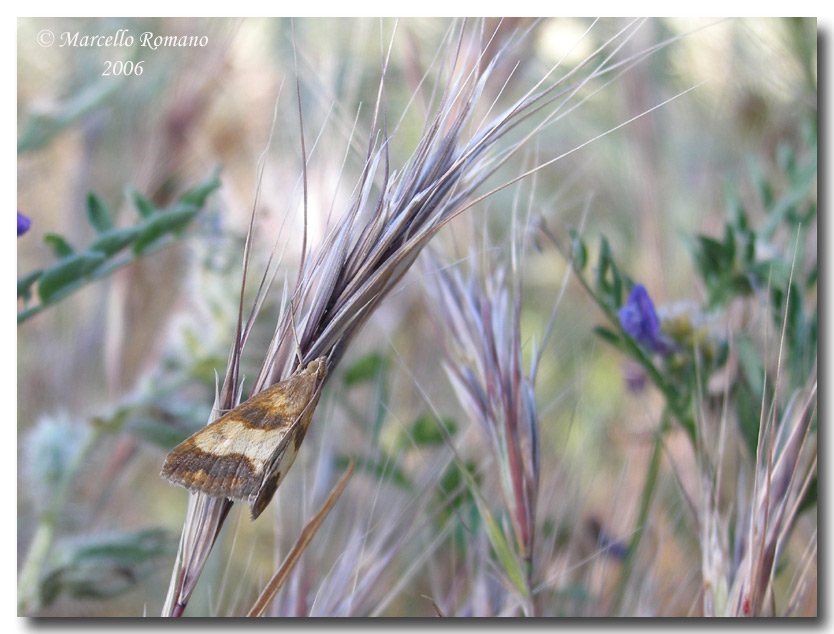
pixel 274 584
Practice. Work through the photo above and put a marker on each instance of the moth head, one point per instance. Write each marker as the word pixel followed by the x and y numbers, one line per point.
pixel 318 367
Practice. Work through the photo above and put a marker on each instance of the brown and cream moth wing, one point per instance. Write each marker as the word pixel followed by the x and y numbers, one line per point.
pixel 243 454
pixel 283 459
pixel 225 459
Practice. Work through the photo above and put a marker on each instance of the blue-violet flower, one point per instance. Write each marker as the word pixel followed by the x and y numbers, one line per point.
pixel 23 224
pixel 639 320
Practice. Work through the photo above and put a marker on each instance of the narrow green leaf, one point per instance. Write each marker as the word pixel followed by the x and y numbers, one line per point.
pixel 98 214
pixel 603 288
pixel 748 408
pixel 113 241
pixel 60 247
pixel 24 284
pixel 496 536
pixel 144 206
pixel 760 181
pixel 502 547
pixel 616 286
pixel 67 271
pixel 163 223
pixel 608 335
pixel 749 248
pixel 197 195
pixel 735 209
pixel 730 243
pixel 579 251
pixel 41 128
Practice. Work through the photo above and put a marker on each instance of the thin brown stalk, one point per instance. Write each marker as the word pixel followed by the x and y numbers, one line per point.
pixel 274 584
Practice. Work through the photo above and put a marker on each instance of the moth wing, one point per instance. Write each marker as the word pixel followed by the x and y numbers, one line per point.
pixel 283 457
pixel 227 458
pixel 280 464
pixel 245 454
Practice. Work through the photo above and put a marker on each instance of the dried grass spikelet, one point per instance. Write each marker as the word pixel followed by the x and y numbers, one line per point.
pixel 738 578
pixel 479 322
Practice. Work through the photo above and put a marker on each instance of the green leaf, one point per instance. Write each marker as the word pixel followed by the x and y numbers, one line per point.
pixel 365 369
pixel 60 247
pixel 457 505
pixel 496 536
pixel 197 195
pixel 113 241
pixel 67 271
pixel 144 206
pixel 714 256
pixel 604 264
pixel 40 128
pixel 24 284
pixel 387 471
pixel 616 286
pixel 730 243
pixel 739 284
pixel 749 248
pixel 750 364
pixel 608 335
pixel 163 223
pixel 760 181
pixel 98 214
pixel 104 566
pixel 609 282
pixel 452 481
pixel 579 251
pixel 735 209
pixel 424 430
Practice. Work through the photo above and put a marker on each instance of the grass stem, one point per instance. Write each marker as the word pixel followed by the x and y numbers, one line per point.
pixel 646 497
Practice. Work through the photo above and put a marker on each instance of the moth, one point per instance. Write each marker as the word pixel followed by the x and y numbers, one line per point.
pixel 244 454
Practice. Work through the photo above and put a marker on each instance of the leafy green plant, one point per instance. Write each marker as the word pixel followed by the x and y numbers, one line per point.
pixel 678 351
pixel 156 229
pixel 104 566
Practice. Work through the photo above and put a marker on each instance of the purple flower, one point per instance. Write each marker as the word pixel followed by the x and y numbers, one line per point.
pixel 23 224
pixel 639 319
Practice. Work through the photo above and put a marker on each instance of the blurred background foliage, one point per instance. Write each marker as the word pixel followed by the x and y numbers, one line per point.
pixel 114 375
